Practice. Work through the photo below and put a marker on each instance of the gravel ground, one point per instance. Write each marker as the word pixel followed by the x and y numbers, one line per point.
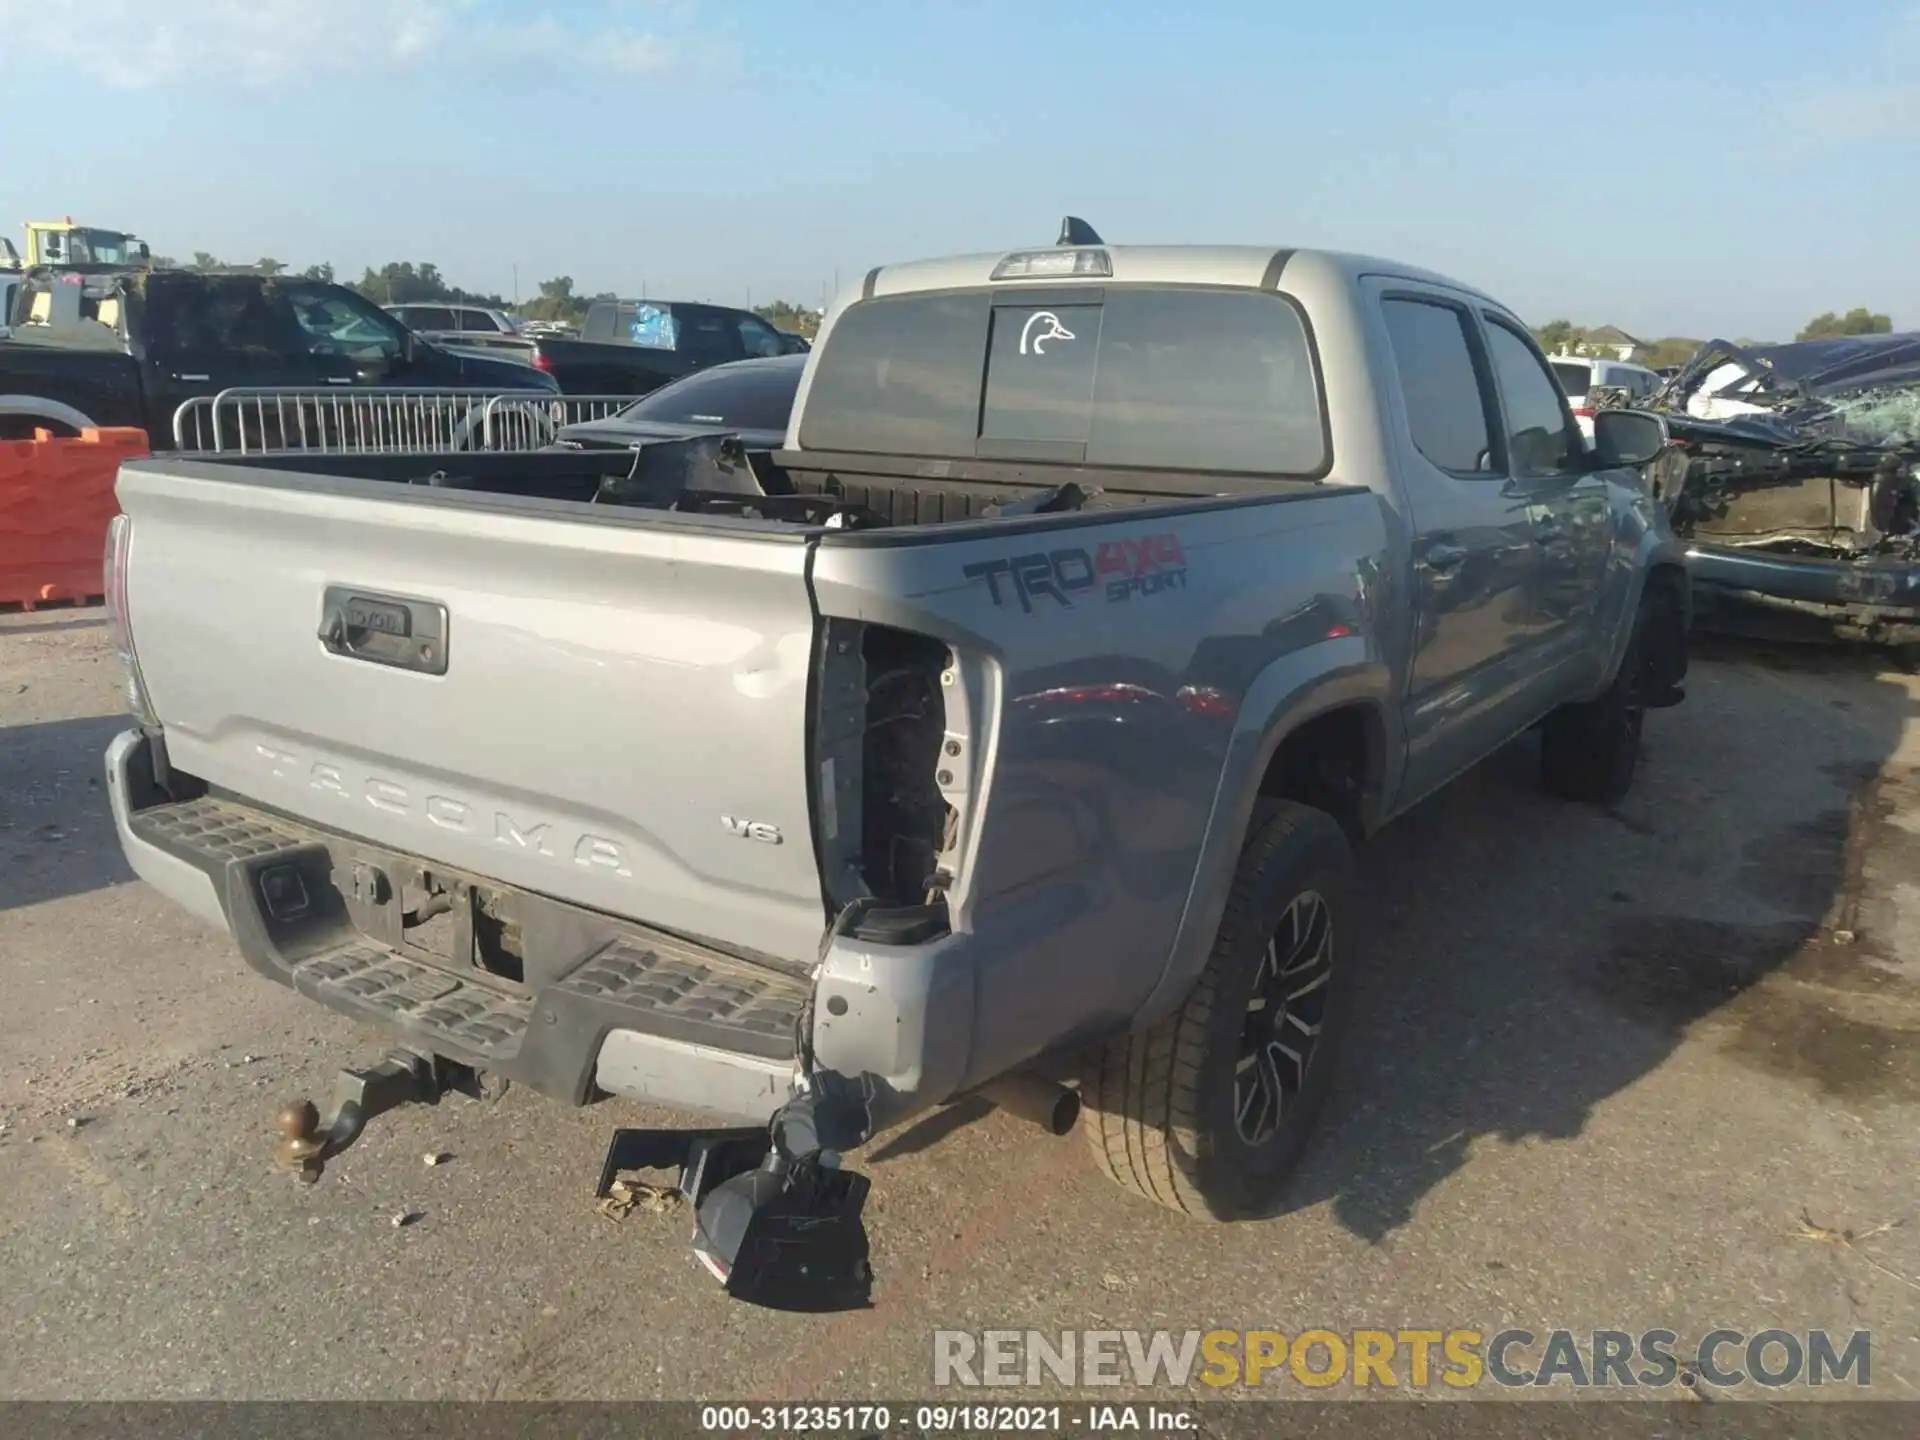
pixel 1612 1070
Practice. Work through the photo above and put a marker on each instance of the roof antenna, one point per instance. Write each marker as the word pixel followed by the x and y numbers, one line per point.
pixel 1075 231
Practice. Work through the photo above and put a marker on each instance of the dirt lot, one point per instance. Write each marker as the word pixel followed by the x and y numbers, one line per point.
pixel 1608 1066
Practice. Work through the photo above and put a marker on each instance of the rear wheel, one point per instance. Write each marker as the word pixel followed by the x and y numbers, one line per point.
pixel 1209 1111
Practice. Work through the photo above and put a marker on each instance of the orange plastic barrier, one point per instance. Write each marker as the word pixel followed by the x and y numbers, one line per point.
pixel 56 499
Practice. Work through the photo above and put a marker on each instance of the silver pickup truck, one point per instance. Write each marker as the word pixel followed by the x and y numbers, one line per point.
pixel 1026 707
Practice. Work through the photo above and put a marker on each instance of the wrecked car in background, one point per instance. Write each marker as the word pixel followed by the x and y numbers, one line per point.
pixel 1793 473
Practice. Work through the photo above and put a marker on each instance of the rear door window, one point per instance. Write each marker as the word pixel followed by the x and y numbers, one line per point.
pixel 478 320
pixel 1446 406
pixel 220 316
pixel 1187 379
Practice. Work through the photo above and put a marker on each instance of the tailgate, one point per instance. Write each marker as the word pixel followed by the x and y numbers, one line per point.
pixel 616 714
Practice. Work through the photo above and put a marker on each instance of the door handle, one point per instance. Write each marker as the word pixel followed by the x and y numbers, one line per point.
pixel 1443 558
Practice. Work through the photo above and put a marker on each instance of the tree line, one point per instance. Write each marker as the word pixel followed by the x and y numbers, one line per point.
pixel 1563 337
pixel 402 282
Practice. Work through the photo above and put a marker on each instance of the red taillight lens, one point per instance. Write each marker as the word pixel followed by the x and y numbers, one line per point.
pixel 542 362
pixel 1585 412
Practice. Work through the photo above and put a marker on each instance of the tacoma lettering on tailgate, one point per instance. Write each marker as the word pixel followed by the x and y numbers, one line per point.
pixel 521 834
pixel 1119 569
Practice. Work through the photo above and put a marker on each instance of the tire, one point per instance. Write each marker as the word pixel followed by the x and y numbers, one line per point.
pixel 1589 751
pixel 1171 1113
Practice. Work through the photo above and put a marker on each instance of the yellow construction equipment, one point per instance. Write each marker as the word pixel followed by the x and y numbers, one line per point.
pixel 62 244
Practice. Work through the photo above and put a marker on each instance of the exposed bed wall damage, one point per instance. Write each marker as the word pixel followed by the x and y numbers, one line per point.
pixel 887 832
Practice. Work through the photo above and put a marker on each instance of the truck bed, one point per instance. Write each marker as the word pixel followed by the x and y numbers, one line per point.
pixel 695 477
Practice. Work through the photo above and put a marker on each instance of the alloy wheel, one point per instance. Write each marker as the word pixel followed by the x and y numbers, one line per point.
pixel 1284 1017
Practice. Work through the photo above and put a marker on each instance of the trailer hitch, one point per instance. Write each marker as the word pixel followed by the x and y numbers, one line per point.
pixel 776 1220
pixel 359 1095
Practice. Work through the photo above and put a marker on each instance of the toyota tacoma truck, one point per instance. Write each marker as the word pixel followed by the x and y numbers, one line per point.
pixel 1103 600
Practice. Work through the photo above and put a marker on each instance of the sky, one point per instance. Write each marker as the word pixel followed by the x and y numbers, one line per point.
pixel 1690 169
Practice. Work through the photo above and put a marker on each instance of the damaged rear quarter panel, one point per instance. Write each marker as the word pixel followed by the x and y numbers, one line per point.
pixel 1103 665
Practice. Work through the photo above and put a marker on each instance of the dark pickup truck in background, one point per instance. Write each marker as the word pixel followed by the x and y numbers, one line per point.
pixel 632 347
pixel 130 347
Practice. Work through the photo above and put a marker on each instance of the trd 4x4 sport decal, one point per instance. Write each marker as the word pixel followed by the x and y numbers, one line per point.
pixel 1122 569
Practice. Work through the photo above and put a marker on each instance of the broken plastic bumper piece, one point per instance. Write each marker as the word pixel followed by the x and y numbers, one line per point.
pixel 776 1220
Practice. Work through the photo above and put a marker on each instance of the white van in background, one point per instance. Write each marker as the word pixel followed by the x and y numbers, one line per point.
pixel 1578 374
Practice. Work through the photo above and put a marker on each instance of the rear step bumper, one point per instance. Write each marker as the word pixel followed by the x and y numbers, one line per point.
pixel 634 1011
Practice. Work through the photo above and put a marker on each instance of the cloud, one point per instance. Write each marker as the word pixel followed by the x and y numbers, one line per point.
pixel 147 44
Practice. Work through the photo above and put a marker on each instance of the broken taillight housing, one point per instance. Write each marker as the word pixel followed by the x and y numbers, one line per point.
pixel 114 582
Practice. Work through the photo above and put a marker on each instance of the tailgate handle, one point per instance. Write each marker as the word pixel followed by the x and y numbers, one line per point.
pixel 333 631
pixel 384 630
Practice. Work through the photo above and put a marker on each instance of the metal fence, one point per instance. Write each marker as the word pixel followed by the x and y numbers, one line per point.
pixel 248 421
pixel 511 422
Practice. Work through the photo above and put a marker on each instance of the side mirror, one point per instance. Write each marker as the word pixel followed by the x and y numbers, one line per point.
pixel 1627 437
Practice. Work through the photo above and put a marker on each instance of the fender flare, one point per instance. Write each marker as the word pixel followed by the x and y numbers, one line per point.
pixel 1654 554
pixel 1297 687
pixel 41 408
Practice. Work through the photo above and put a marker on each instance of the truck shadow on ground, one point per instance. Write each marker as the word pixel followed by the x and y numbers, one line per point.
pixel 1527 959
pixel 56 830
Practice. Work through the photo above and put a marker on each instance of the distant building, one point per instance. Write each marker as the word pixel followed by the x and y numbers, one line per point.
pixel 1613 343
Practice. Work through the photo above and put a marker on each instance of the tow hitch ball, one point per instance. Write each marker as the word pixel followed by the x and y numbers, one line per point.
pixel 776 1220
pixel 359 1095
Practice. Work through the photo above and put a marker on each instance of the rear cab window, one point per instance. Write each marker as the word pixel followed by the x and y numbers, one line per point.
pixel 651 325
pixel 599 322
pixel 1169 378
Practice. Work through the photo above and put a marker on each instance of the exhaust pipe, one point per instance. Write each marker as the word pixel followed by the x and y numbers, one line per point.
pixel 1047 1103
